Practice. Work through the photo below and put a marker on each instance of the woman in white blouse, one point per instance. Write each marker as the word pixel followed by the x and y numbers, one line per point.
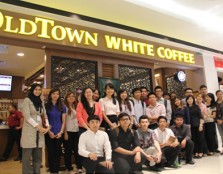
pixel 125 105
pixel 110 108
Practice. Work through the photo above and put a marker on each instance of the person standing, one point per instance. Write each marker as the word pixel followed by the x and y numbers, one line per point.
pixel 144 96
pixel 196 123
pixel 56 113
pixel 154 110
pixel 32 139
pixel 95 148
pixel 15 122
pixel 180 109
pixel 139 106
pixel 159 94
pixel 110 108
pixel 219 115
pixel 126 105
pixel 209 124
pixel 71 133
pixel 86 108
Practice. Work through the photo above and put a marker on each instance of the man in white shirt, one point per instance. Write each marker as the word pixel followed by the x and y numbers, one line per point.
pixel 93 144
pixel 154 110
pixel 168 142
pixel 139 106
pixel 159 93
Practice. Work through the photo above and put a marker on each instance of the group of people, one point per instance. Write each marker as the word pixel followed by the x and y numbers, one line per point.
pixel 116 133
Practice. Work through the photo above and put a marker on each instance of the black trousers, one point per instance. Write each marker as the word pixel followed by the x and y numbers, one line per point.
pixel 13 136
pixel 210 134
pixel 54 152
pixel 113 119
pixel 197 137
pixel 94 166
pixel 189 149
pixel 125 164
pixel 71 145
pixel 170 153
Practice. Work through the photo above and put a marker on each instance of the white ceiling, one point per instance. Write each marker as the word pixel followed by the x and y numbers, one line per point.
pixel 148 17
pixel 153 18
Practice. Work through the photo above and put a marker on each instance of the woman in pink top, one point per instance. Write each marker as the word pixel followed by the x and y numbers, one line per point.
pixel 87 107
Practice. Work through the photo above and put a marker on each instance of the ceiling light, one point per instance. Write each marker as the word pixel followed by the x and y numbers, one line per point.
pixel 20 54
pixel 41 76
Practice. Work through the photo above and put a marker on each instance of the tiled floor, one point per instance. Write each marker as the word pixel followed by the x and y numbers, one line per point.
pixel 206 165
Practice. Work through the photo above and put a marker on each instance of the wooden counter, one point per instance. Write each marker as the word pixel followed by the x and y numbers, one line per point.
pixel 3 141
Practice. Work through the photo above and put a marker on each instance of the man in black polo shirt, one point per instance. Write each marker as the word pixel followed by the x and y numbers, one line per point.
pixel 126 153
pixel 183 134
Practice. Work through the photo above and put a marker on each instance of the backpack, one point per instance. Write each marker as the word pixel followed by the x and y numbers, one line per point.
pixel 134 103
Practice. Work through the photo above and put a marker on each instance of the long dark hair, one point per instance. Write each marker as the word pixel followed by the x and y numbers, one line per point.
pixel 37 102
pixel 126 102
pixel 49 103
pixel 213 103
pixel 85 103
pixel 110 85
pixel 99 93
pixel 74 104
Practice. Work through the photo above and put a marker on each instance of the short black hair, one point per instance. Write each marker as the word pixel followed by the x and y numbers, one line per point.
pixel 178 116
pixel 218 92
pixel 14 105
pixel 203 86
pixel 151 93
pixel 143 117
pixel 93 117
pixel 123 114
pixel 143 87
pixel 188 89
pixel 135 89
pixel 158 87
pixel 161 117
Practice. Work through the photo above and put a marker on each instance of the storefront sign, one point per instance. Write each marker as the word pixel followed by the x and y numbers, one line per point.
pixel 42 29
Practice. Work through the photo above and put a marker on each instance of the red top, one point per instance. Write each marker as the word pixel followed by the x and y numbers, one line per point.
pixel 14 118
pixel 146 100
pixel 82 115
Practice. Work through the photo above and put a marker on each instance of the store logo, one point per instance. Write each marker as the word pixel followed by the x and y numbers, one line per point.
pixel 47 29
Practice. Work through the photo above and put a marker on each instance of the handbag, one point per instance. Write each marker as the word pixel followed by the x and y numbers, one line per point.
pixel 43 118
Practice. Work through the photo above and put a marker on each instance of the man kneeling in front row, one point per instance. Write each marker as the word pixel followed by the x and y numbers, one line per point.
pixel 183 134
pixel 126 153
pixel 149 143
pixel 92 145
pixel 168 142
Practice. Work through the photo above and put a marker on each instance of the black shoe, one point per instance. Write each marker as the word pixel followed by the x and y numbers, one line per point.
pixel 18 159
pixel 154 168
pixel 171 166
pixel 3 159
pixel 217 151
pixel 190 162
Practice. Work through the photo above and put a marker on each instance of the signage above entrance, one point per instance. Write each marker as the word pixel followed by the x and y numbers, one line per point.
pixel 51 31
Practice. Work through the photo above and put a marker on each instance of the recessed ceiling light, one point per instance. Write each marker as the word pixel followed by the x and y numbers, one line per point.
pixel 41 76
pixel 20 54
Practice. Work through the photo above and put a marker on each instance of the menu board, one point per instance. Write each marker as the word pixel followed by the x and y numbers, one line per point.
pixel 5 83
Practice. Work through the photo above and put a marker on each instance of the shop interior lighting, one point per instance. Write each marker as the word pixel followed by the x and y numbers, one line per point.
pixel 202 18
pixel 20 54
